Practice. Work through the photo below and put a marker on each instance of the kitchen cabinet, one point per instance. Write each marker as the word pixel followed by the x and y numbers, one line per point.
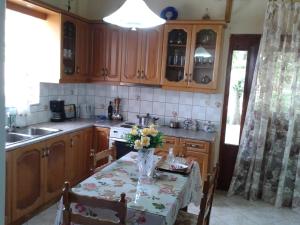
pixel 36 173
pixel 75 49
pixel 8 188
pixel 142 56
pixel 168 142
pixel 191 55
pixel 101 142
pixel 106 53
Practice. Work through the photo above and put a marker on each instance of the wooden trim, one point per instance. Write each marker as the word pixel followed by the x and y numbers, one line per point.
pixel 228 11
pixel 196 22
pixel 26 10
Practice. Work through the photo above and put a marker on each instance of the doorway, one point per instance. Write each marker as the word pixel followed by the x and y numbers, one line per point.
pixel 243 50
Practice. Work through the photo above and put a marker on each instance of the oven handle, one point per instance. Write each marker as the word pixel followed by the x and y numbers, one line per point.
pixel 117 139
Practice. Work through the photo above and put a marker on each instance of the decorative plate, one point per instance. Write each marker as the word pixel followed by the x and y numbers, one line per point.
pixel 169 13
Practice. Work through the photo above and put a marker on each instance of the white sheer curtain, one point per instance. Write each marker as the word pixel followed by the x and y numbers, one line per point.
pixel 268 162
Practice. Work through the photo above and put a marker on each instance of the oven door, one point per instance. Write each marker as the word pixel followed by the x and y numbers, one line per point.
pixel 121 147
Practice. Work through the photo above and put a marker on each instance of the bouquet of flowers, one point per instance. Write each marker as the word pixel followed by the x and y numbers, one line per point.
pixel 146 138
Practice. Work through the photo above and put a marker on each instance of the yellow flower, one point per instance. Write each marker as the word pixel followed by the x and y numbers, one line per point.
pixel 134 132
pixel 145 131
pixel 138 145
pixel 145 141
pixel 153 132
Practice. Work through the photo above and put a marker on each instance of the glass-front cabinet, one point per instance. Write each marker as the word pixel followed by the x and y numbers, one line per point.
pixel 69 47
pixel 192 56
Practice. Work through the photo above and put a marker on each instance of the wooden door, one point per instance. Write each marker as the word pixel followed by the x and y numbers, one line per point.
pixel 27 179
pixel 132 53
pixel 205 56
pixel 151 56
pixel 83 50
pixel 98 59
pixel 85 153
pixel 101 138
pixel 113 68
pixel 55 167
pixel 8 187
pixel 74 163
pixel 175 56
pixel 243 50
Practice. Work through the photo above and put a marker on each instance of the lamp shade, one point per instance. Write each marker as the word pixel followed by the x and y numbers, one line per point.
pixel 202 52
pixel 134 14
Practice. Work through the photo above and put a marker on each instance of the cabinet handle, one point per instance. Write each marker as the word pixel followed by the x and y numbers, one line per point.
pixel 143 75
pixel 43 152
pixel 72 143
pixel 48 152
pixel 77 69
pixel 186 78
pixel 190 78
pixel 106 72
pixel 139 74
pixel 102 72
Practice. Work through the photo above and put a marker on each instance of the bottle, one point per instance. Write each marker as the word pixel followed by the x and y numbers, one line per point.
pixel 171 157
pixel 110 111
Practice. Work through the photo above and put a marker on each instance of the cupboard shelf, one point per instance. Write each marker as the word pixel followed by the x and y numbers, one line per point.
pixel 177 45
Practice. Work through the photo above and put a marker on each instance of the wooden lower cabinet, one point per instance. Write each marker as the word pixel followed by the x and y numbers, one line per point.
pixel 35 174
pixel 27 179
pixel 101 138
pixel 169 142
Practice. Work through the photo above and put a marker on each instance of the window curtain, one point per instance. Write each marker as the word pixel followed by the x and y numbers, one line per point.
pixel 268 162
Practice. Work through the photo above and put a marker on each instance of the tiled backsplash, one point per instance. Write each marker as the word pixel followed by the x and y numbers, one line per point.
pixel 134 100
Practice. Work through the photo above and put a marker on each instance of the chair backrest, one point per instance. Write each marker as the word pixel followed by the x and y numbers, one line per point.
pixel 108 156
pixel 207 198
pixel 69 197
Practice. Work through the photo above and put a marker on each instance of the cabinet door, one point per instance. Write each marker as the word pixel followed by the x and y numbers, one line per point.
pixel 176 52
pixel 151 56
pixel 98 59
pixel 75 146
pixel 83 50
pixel 85 153
pixel 27 179
pixel 132 53
pixel 101 142
pixel 169 142
pixel 205 56
pixel 8 187
pixel 201 158
pixel 68 48
pixel 114 38
pixel 55 167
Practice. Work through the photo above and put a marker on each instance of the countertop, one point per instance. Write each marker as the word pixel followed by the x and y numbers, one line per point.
pixel 71 126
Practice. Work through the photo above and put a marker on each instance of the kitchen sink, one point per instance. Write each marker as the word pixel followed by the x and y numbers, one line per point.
pixel 34 131
pixel 12 138
pixel 25 134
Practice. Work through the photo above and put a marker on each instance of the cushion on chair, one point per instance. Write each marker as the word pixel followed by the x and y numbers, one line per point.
pixel 185 218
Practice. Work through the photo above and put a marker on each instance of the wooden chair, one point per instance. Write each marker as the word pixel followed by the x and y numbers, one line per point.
pixel 108 155
pixel 185 218
pixel 69 197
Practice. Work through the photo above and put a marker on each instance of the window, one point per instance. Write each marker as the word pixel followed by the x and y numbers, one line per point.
pixel 31 57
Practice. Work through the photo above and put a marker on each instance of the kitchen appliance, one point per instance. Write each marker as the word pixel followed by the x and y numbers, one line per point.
pixel 70 111
pixel 146 120
pixel 86 111
pixel 117 115
pixel 57 108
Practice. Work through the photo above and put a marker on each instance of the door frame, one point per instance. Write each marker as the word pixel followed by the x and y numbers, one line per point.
pixel 228 153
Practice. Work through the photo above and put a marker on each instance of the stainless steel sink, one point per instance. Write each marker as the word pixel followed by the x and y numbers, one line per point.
pixel 12 138
pixel 35 131
pixel 25 134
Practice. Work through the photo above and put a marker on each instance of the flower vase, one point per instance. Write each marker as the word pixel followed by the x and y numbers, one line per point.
pixel 145 161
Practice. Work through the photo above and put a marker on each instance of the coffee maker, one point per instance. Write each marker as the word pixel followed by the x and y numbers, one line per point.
pixel 57 108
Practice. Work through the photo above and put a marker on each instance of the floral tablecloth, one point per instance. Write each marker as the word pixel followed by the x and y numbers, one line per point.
pixel 149 200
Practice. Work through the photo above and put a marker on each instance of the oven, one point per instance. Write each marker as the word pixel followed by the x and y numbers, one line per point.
pixel 117 136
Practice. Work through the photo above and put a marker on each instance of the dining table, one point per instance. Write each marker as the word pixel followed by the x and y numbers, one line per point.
pixel 154 200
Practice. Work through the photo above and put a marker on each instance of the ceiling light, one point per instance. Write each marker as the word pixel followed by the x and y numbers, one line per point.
pixel 202 52
pixel 134 14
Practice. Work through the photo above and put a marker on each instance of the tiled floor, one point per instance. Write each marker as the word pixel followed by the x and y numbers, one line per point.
pixel 226 211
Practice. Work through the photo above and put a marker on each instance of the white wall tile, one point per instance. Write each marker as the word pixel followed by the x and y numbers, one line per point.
pixel 123 92
pixel 170 108
pixel 44 89
pixel 135 93
pixel 198 112
pixel 100 90
pixel 134 106
pixel 185 111
pixel 159 108
pixel 100 102
pixel 186 98
pixel 146 107
pixel 213 114
pixel 132 117
pixel 201 99
pixel 124 104
pixel 90 89
pixel 147 94
pixel 159 95
pixel 81 99
pixel 53 89
pixel 81 88
pixel 112 91
pixel 172 97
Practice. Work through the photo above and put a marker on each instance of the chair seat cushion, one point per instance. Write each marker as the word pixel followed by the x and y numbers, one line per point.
pixel 185 218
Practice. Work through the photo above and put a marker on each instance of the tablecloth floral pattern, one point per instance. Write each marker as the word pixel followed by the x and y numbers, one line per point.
pixel 149 200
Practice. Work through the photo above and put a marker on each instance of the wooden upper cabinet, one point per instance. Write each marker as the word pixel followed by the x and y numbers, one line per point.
pixel 191 55
pixel 27 180
pixel 75 50
pixel 151 56
pixel 106 53
pixel 132 54
pixel 55 164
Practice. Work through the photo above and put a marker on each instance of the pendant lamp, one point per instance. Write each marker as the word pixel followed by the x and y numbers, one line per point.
pixel 134 14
